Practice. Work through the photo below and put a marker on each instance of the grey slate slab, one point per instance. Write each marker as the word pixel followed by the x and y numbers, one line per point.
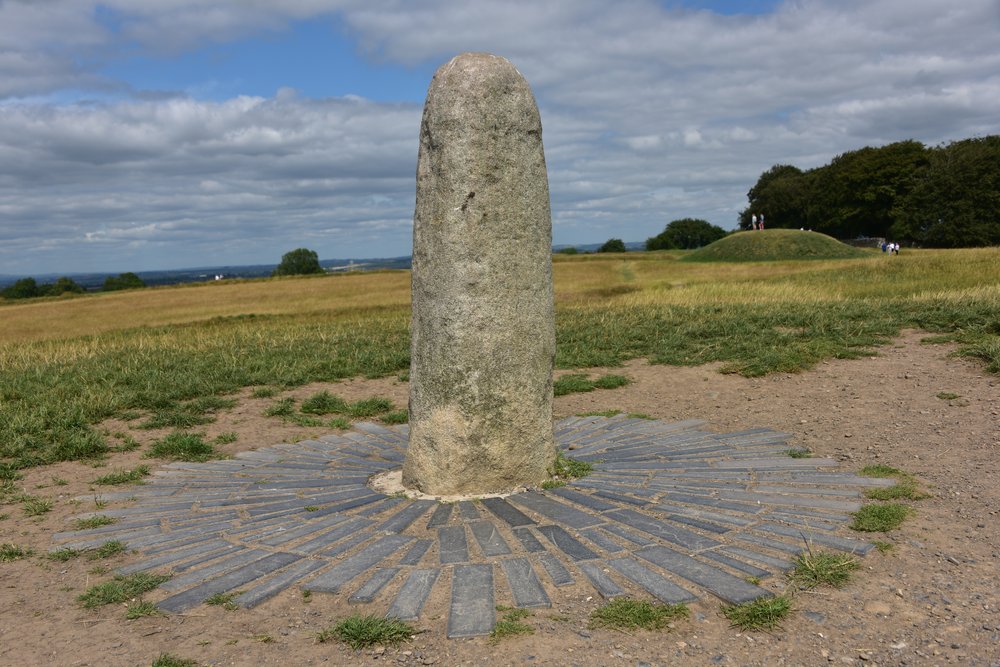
pixel 706 501
pixel 170 558
pixel 757 557
pixel 815 537
pixel 348 544
pixel 333 579
pixel 750 570
pixel 472 613
pixel 278 583
pixel 453 545
pixel 412 596
pixel 375 583
pixel 284 535
pixel 604 584
pixel 416 552
pixel 236 557
pixel 402 519
pixel 602 540
pixel 441 515
pixel 730 588
pixel 584 499
pixel 777 545
pixel 468 510
pixel 556 511
pixel 664 531
pixel 566 543
pixel 630 535
pixel 506 512
pixel 655 584
pixel 489 538
pixel 558 573
pixel 381 506
pixel 206 555
pixel 524 585
pixel 528 540
pixel 353 526
pixel 623 499
pixel 227 582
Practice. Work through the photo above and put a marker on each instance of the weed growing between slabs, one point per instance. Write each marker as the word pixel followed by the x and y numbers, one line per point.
pixel 224 600
pixel 121 589
pixel 359 631
pixel 510 624
pixel 124 476
pixel 823 568
pixel 629 614
pixel 565 469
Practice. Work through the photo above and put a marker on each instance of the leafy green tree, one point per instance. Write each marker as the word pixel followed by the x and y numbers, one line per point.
pixel 685 234
pixel 63 285
pixel 301 261
pixel 781 194
pixel 956 202
pixel 25 288
pixel 612 245
pixel 122 281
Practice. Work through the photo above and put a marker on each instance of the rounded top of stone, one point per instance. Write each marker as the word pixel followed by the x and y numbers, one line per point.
pixel 474 86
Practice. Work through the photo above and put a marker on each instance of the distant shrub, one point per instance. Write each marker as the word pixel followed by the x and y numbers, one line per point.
pixel 122 281
pixel 612 245
pixel 301 261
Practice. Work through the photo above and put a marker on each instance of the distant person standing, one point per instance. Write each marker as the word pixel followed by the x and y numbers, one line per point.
pixel 753 221
pixel 760 223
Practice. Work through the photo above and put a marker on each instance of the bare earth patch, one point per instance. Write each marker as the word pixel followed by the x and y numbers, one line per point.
pixel 931 600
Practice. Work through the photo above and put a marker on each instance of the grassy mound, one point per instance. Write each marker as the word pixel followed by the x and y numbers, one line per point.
pixel 772 245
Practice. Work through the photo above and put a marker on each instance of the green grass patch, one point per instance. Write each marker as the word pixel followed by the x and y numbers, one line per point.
pixel 224 600
pixel 95 521
pixel 553 483
pixel 600 413
pixel 760 614
pixel 124 476
pixel 64 554
pixel 395 417
pixel 510 624
pixel 574 383
pixel 565 469
pixel 359 631
pixel 629 614
pixel 107 550
pixel 339 423
pixel 799 453
pixel 35 506
pixel 264 392
pixel 226 438
pixel 171 660
pixel 181 446
pixel 324 403
pixel 905 488
pixel 880 518
pixel 11 552
pixel 121 589
pixel 883 546
pixel 823 568
pixel 141 609
pixel 947 396
pixel 9 472
pixel 774 245
pixel 369 407
pixel 281 408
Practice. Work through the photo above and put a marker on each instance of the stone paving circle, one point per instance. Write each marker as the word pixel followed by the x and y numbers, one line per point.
pixel 671 511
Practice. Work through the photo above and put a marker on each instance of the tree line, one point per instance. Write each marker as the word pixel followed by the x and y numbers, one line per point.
pixel 29 288
pixel 946 196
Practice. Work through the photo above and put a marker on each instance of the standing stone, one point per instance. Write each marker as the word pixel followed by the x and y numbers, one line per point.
pixel 483 330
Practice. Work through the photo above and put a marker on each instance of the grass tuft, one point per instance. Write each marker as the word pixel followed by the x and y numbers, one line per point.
pixel 181 446
pixel 224 600
pixel 140 609
pixel 395 417
pixel 369 407
pixel 575 383
pixel 629 614
pixel 11 552
pixel 510 625
pixel 170 660
pixel 124 476
pixel 879 518
pixel 760 614
pixel 35 506
pixel 108 549
pixel 362 631
pixel 121 589
pixel 324 403
pixel 95 521
pixel 823 568
pixel 905 488
pixel 799 453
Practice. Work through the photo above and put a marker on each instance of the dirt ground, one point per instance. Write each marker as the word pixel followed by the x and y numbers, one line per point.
pixel 931 600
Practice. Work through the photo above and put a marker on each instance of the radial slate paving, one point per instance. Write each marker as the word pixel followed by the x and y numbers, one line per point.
pixel 671 511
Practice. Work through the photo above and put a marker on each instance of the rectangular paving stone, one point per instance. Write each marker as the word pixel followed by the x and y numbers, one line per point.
pixel 383 505
pixel 663 530
pixel 584 499
pixel 694 499
pixel 333 579
pixel 602 540
pixel 285 535
pixel 472 612
pixel 229 560
pixel 655 584
pixel 468 510
pixel 623 499
pixel 278 583
pixel 348 544
pixel 207 555
pixel 729 588
pixel 770 561
pixel 776 545
pixel 728 520
pixel 227 582
pixel 528 540
pixel 814 537
pixel 399 522
pixel 489 538
pixel 566 543
pixel 524 584
pixel 353 526
pixel 167 559
pixel 453 545
pixel 441 515
pixel 558 573
pixel 375 583
pixel 416 552
pixel 506 512
pixel 798 501
pixel 556 511
pixel 750 570
pixel 629 535
pixel 353 503
pixel 604 584
pixel 412 596
pixel 697 523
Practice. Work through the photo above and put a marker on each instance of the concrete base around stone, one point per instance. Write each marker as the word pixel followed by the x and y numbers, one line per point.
pixel 674 533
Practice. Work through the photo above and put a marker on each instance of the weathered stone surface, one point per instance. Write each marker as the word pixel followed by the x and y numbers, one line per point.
pixel 483 332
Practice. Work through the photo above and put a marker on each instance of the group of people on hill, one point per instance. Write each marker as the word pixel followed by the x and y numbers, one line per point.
pixel 757 222
pixel 891 248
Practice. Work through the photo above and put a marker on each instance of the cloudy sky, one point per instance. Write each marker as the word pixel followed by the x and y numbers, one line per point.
pixel 155 134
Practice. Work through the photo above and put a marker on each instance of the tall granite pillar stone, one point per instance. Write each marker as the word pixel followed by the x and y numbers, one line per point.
pixel 483 329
